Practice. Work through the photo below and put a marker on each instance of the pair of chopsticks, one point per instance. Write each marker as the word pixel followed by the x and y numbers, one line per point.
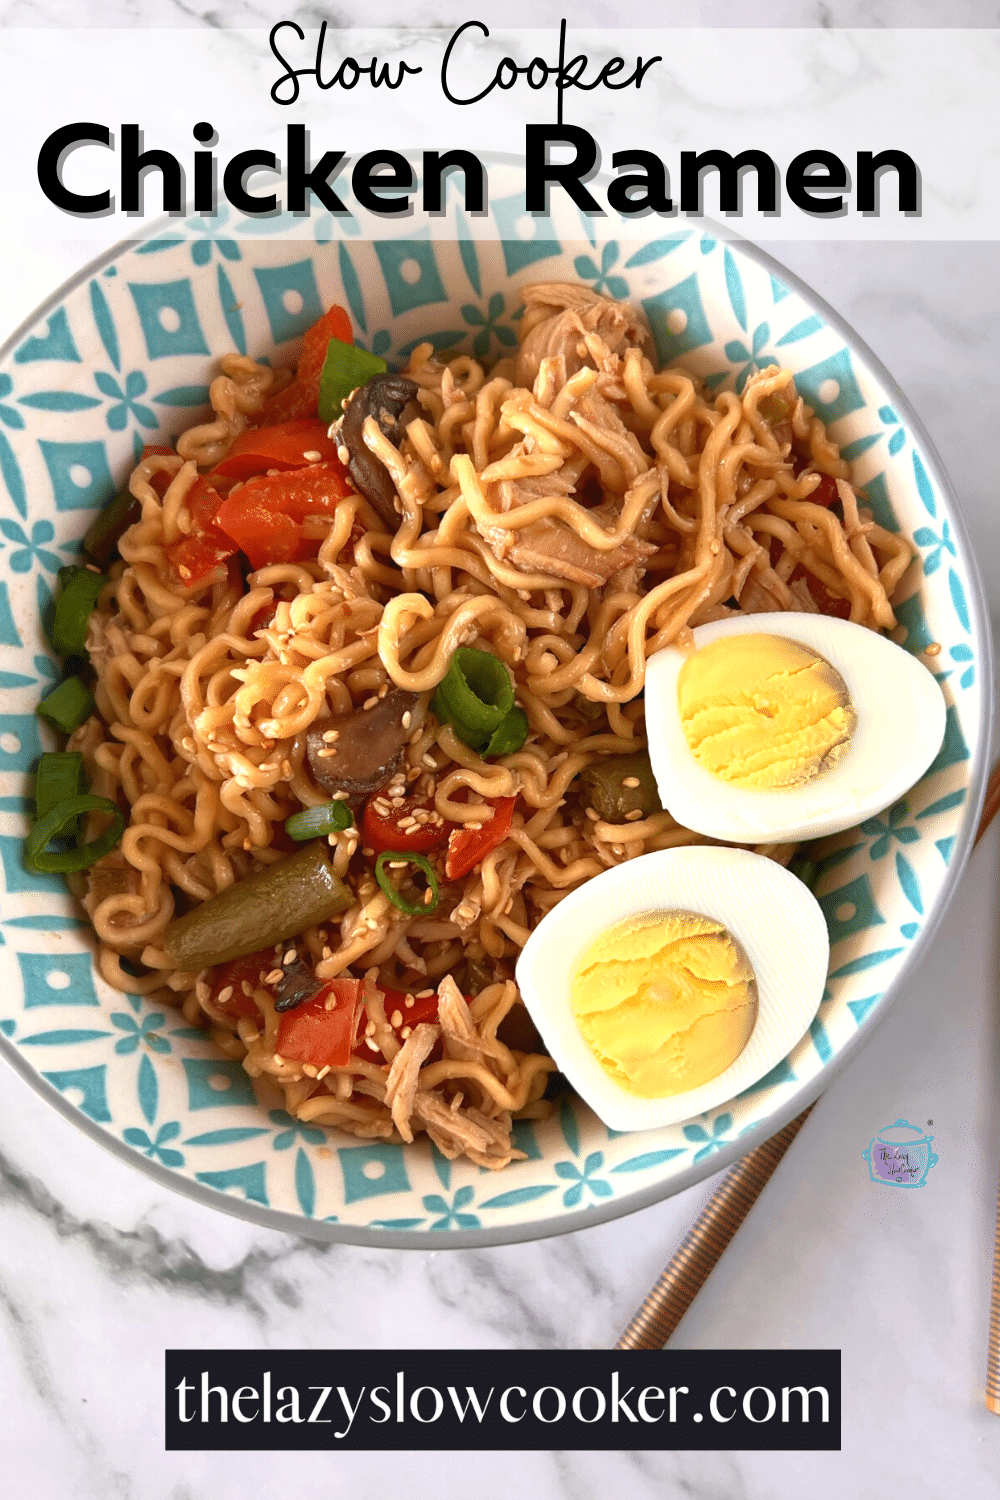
pixel 732 1200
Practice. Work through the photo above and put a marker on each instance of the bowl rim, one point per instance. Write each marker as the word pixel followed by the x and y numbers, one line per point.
pixel 803 1096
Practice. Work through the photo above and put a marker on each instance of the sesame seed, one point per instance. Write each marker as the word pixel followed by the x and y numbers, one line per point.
pixel 226 994
pixel 370 702
pixel 312 456
pixel 591 814
pixel 474 826
pixel 279 1060
pixel 428 896
pixel 309 1070
pixel 371 1044
pixel 397 1018
pixel 383 690
pixel 634 815
pixel 424 994
pixel 334 734
pixel 327 952
pixel 430 762
pixel 371 924
pixel 370 1029
pixel 322 1073
pixel 407 719
pixel 932 649
pixel 246 987
pixel 398 864
pixel 338 797
pixel 409 1002
pixel 273 976
pixel 631 781
pixel 407 1031
pixel 328 753
pixel 290 957
pixel 343 454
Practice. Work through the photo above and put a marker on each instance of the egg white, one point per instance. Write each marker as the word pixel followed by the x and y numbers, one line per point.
pixel 774 917
pixel 900 726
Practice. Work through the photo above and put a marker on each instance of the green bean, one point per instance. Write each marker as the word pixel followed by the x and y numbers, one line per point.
pixel 109 526
pixel 277 903
pixel 619 785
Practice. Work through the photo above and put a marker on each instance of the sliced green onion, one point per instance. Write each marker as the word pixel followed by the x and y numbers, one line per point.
pixel 80 588
pixel 474 696
pixel 313 822
pixel 511 735
pixel 67 705
pixel 109 526
pixel 44 861
pixel 412 908
pixel 59 775
pixel 344 369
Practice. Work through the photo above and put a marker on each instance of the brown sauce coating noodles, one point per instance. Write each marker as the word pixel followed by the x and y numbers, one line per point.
pixel 572 511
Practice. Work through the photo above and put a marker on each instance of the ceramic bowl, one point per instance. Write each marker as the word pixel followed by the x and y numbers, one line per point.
pixel 122 356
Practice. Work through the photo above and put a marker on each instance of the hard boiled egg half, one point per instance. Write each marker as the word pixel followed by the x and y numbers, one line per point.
pixel 787 726
pixel 669 984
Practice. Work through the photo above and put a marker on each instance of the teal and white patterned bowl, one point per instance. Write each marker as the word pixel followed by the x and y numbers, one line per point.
pixel 121 357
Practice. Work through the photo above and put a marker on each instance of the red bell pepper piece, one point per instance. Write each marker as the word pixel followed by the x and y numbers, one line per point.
pixel 263 517
pixel 301 398
pixel 381 831
pixel 420 1008
pixel 231 977
pixel 312 1033
pixel 195 555
pixel 424 1009
pixel 826 492
pixel 826 602
pixel 283 447
pixel 160 481
pixel 468 847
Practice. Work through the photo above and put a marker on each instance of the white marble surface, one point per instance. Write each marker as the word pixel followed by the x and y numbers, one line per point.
pixel 100 1269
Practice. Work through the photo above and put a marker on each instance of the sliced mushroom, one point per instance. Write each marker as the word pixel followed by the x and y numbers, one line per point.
pixel 384 397
pixel 298 984
pixel 359 752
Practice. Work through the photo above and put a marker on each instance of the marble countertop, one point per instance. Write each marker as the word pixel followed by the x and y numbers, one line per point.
pixel 101 1269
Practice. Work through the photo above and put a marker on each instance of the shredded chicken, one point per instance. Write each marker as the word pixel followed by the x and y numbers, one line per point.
pixel 560 314
pixel 466 1131
pixel 404 1076
pixel 555 549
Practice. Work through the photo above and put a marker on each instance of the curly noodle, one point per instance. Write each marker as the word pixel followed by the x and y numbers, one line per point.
pixel 573 511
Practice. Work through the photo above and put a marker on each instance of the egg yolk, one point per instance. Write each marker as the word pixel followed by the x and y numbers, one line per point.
pixel 665 1000
pixel 763 712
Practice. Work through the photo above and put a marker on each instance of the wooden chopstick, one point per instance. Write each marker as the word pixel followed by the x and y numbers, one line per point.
pixel 705 1242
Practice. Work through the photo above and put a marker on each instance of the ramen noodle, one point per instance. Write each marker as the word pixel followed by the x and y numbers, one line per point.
pixel 569 512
